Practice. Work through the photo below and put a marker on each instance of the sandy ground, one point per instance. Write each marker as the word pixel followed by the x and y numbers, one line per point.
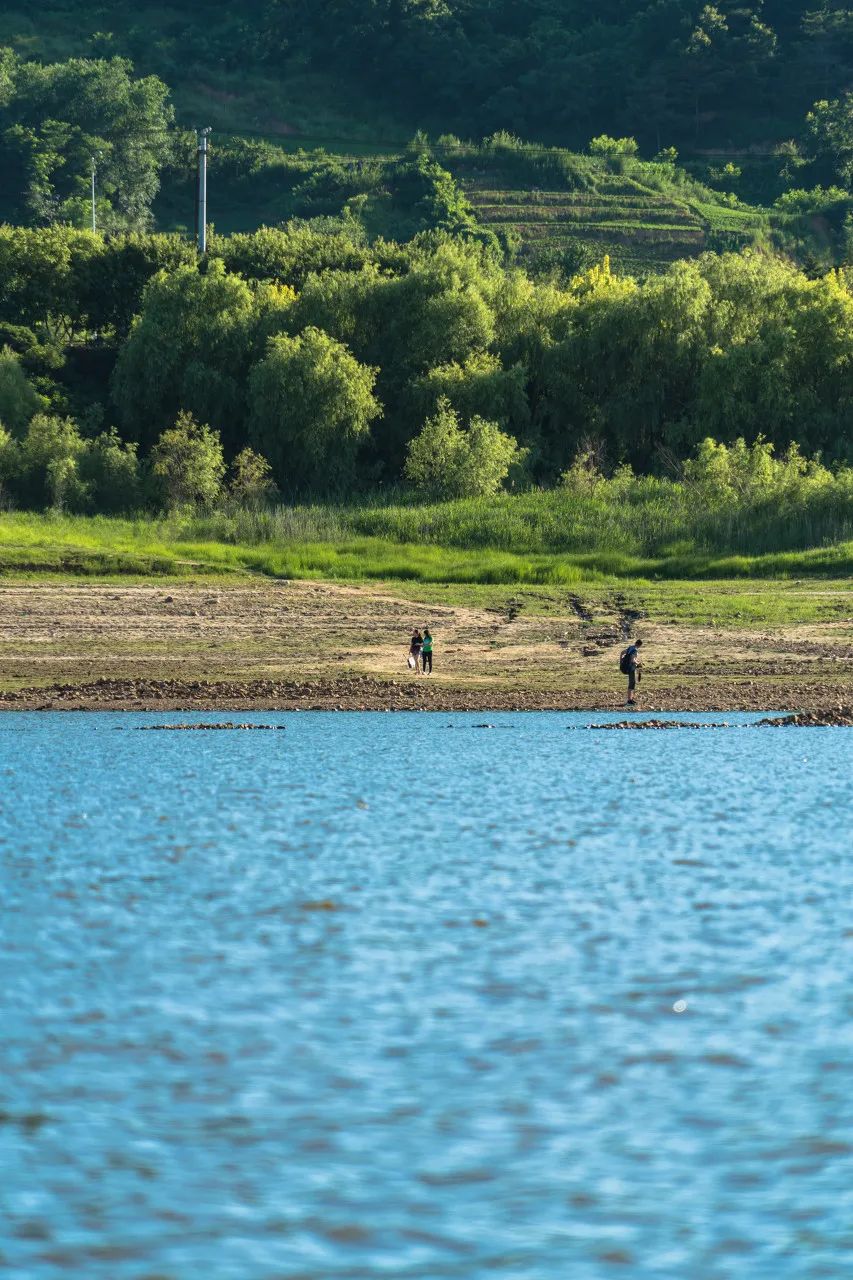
pixel 312 645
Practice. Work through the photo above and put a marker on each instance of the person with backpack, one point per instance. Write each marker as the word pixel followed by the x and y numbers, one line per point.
pixel 629 665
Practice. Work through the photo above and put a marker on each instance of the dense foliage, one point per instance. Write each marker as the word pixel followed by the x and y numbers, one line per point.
pixel 56 121
pixel 62 122
pixel 381 329
pixel 331 376
pixel 687 70
pixel 683 71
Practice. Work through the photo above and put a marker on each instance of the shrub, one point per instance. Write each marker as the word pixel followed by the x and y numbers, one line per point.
pixel 584 476
pixel 188 463
pixel 817 200
pixel 9 463
pixel 64 486
pixel 18 400
pixel 451 462
pixel 750 474
pixel 252 482
pixel 109 468
pixel 611 148
pixel 48 464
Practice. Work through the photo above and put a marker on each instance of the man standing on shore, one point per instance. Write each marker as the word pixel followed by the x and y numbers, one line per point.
pixel 629 665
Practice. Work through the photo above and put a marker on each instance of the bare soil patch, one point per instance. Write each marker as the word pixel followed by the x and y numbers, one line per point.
pixel 329 645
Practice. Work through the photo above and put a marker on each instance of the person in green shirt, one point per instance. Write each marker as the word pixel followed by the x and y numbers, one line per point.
pixel 426 651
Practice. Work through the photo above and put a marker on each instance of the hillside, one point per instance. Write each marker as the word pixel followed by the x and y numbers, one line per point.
pixel 359 319
pixel 551 209
pixel 565 209
pixel 300 131
pixel 737 74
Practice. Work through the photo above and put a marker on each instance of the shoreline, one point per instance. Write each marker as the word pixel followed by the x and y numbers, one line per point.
pixel 325 646
pixel 366 694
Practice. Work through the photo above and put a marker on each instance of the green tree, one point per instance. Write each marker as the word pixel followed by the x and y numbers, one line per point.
pixel 9 465
pixel 453 462
pixel 435 312
pixel 190 348
pixel 18 400
pixel 48 465
pixel 829 138
pixel 108 284
pixel 438 311
pixel 36 277
pixel 109 470
pixel 56 116
pixel 478 386
pixel 188 464
pixel 289 254
pixel 252 483
pixel 311 404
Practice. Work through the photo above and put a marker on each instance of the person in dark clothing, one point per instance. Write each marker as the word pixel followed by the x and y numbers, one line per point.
pixel 426 651
pixel 629 665
pixel 415 650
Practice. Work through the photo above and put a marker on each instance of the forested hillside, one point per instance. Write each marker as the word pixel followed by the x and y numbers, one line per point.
pixel 457 312
pixel 679 72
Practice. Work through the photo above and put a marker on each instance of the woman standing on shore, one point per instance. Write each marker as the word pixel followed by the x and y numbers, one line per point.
pixel 426 653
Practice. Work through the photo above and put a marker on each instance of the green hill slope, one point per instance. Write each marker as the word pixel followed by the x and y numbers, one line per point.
pixel 639 228
pixel 553 209
pixel 302 131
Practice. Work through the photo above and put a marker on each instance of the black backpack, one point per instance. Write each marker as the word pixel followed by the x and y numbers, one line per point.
pixel 624 662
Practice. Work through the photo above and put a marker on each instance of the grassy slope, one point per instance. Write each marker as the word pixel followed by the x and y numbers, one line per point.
pixel 642 220
pixel 95 546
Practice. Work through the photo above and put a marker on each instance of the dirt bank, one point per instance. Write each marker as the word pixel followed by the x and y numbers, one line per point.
pixel 312 645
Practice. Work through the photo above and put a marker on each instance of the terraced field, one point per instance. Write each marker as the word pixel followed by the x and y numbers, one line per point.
pixel 640 229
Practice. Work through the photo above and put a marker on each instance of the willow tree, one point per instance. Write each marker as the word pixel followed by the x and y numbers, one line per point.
pixel 310 408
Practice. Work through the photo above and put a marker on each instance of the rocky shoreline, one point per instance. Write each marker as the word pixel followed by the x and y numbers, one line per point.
pixel 810 705
pixel 841 717
pixel 182 728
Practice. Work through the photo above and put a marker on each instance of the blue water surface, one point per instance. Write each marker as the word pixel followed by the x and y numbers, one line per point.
pixel 398 996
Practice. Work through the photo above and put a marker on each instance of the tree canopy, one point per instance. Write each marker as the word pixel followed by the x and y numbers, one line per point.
pixel 56 118
pixel 684 71
pixel 330 377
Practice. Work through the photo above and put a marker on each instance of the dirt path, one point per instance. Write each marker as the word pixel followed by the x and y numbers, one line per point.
pixel 303 644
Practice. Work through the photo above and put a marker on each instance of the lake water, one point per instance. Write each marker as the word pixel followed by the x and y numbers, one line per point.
pixel 398 996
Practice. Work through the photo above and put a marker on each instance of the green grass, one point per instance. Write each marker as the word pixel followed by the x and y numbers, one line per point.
pixel 677 602
pixel 646 518
pixel 556 538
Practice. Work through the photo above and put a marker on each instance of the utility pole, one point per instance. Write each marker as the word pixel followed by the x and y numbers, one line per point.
pixel 94 218
pixel 201 207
